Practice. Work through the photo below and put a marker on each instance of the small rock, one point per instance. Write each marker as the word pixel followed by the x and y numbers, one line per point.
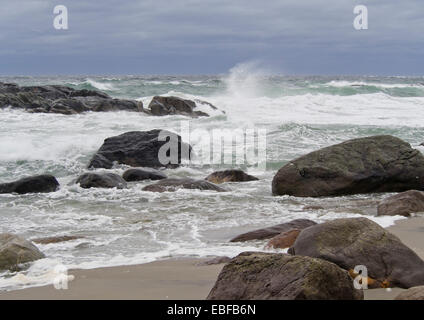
pixel 35 184
pixel 15 250
pixel 230 176
pixel 402 204
pixel 49 240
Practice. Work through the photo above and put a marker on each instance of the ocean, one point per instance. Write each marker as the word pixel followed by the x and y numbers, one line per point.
pixel 130 226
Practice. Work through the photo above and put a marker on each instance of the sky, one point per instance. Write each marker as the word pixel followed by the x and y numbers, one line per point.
pixel 145 37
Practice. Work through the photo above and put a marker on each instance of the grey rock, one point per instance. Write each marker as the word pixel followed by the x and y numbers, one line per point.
pixel 101 180
pixel 15 250
pixel 265 276
pixel 364 165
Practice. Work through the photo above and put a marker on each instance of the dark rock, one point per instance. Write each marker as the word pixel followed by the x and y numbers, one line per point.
pixel 284 240
pixel 61 99
pixel 264 276
pixel 163 106
pixel 402 204
pixel 360 241
pixel 143 174
pixel 273 231
pixel 230 176
pixel 15 250
pixel 139 149
pixel 35 184
pixel 365 165
pixel 101 180
pixel 171 185
pixel 49 240
pixel 415 293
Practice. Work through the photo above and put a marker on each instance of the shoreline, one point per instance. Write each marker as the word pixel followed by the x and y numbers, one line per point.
pixel 178 279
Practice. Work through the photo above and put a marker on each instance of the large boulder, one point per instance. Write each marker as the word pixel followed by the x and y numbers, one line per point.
pixel 15 250
pixel 415 293
pixel 143 174
pixel 163 106
pixel 269 232
pixel 359 241
pixel 402 204
pixel 61 99
pixel 101 180
pixel 230 176
pixel 364 165
pixel 36 184
pixel 264 276
pixel 140 149
pixel 173 184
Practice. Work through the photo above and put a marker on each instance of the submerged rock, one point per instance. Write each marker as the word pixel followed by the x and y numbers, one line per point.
pixel 403 204
pixel 267 233
pixel 15 250
pixel 140 149
pixel 360 241
pixel 364 165
pixel 101 180
pixel 172 184
pixel 230 176
pixel 49 240
pixel 36 184
pixel 143 174
pixel 265 276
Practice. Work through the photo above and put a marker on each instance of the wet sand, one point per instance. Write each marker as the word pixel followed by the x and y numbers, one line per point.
pixel 178 279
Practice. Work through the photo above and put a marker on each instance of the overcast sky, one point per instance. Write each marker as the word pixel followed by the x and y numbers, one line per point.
pixel 211 36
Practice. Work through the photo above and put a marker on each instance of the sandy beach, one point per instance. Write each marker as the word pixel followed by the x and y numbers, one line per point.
pixel 181 279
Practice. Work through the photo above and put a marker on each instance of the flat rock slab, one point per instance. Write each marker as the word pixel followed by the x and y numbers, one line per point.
pixel 36 184
pixel 101 180
pixel 265 276
pixel 230 176
pixel 15 250
pixel 143 174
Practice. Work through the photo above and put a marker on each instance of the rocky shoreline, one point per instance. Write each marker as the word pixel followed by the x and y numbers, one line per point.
pixel 322 259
